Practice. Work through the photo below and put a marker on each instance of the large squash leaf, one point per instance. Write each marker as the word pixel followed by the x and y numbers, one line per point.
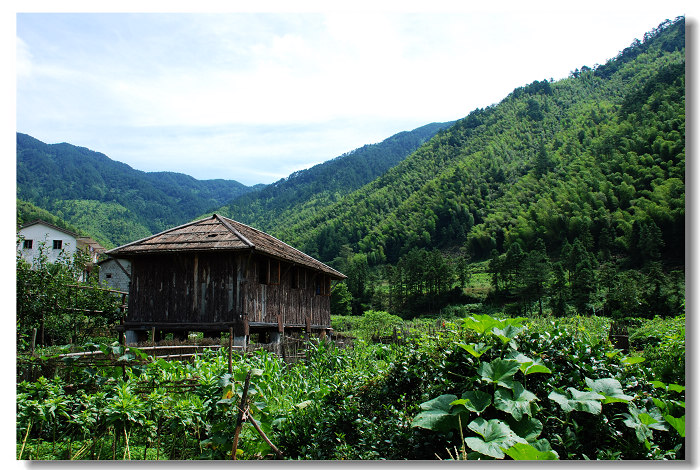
pixel 437 414
pixel 575 400
pixel 516 402
pixel 522 451
pixel 474 400
pixel 495 436
pixel 481 323
pixel 610 389
pixel 507 333
pixel 475 349
pixel 499 371
pixel 528 428
pixel 677 423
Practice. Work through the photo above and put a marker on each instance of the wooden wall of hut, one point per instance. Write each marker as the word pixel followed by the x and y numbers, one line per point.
pixel 276 288
pixel 226 287
pixel 184 288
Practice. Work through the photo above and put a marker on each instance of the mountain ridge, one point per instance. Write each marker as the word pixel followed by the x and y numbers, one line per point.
pixel 73 181
pixel 450 191
pixel 116 203
pixel 314 188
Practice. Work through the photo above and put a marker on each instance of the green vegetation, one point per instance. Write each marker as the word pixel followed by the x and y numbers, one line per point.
pixel 602 159
pixel 573 191
pixel 28 212
pixel 117 204
pixel 60 300
pixel 480 388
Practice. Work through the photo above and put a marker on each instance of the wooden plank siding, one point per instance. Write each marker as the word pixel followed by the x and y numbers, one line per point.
pixel 187 288
pixel 292 301
pixel 221 288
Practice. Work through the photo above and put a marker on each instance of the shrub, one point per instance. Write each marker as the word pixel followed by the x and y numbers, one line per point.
pixel 662 341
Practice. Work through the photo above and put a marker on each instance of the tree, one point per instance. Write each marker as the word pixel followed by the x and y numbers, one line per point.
pixel 359 283
pixel 650 242
pixel 341 300
pixel 583 284
pixel 47 299
pixel 559 292
pixel 512 266
pixel 496 268
pixel 542 161
pixel 536 272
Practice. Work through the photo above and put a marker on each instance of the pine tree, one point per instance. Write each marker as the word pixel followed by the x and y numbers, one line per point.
pixel 536 273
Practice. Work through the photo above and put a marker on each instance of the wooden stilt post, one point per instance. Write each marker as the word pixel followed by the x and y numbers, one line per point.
pixel 153 341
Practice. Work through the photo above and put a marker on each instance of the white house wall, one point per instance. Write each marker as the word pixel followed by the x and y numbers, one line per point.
pixel 114 276
pixel 42 234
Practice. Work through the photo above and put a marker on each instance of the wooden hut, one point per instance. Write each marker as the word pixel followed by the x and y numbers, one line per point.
pixel 214 274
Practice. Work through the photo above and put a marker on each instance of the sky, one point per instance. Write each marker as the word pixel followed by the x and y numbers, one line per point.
pixel 256 95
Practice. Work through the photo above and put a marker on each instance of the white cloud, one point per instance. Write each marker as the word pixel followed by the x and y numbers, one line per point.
pixel 152 89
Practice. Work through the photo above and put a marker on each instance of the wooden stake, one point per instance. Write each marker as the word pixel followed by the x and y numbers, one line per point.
pixel 153 340
pixel 124 365
pixel 230 349
pixel 33 341
pixel 29 426
pixel 241 414
pixel 262 434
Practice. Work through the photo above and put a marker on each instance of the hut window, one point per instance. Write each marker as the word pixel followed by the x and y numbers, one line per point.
pixel 264 271
pixel 275 272
pixel 295 277
pixel 269 271
pixel 28 244
pixel 58 244
pixel 323 285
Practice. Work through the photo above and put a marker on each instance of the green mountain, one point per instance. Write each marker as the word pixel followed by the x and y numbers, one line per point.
pixel 108 199
pixel 598 156
pixel 28 212
pixel 304 193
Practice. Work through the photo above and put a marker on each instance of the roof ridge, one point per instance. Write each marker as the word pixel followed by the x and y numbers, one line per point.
pixel 232 229
pixel 286 244
pixel 54 226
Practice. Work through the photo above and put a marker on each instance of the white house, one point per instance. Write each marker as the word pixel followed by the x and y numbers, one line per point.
pixel 116 273
pixel 57 240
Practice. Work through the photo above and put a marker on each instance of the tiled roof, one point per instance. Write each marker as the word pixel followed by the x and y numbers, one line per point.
pixel 217 233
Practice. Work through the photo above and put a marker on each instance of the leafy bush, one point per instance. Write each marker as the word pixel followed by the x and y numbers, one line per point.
pixel 46 295
pixel 371 323
pixel 662 341
pixel 572 408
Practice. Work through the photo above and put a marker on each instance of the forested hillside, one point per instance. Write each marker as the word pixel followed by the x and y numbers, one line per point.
pixel 303 193
pixel 28 212
pixel 108 199
pixel 585 156
pixel 595 162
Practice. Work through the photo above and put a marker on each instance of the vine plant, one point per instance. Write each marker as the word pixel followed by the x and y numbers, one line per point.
pixel 503 417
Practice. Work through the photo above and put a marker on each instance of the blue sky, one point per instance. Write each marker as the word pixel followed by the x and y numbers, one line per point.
pixel 256 96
